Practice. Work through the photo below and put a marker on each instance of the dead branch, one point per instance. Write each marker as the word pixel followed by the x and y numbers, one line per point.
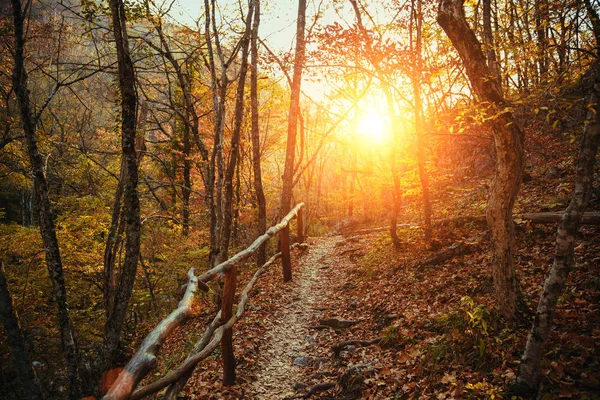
pixel 589 218
pixel 144 359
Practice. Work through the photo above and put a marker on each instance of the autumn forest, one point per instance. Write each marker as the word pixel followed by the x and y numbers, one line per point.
pixel 346 199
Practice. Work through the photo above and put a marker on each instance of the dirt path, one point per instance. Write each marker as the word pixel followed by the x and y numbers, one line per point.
pixel 289 343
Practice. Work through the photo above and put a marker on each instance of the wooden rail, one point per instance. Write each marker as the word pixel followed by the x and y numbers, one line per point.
pixel 145 360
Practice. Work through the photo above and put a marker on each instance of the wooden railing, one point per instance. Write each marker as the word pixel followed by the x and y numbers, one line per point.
pixel 145 359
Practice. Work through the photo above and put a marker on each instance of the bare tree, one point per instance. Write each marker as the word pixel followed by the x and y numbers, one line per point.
pixel 417 17
pixel 261 256
pixel 231 276
pixel 529 370
pixel 294 112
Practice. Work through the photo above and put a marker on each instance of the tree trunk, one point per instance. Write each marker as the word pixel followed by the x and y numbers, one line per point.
pixel 508 139
pixel 216 167
pixel 45 215
pixel 131 204
pixel 261 256
pixel 29 383
pixel 231 276
pixel 300 227
pixel 421 145
pixel 288 172
pixel 488 41
pixel 529 370
pixel 385 86
pixel 112 243
pixel 187 181
pixel 541 29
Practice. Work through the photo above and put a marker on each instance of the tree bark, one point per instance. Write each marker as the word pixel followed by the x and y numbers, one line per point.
pixel 488 41
pixel 187 181
pixel 113 241
pixel 529 370
pixel 421 145
pixel 231 276
pixel 131 204
pixel 216 165
pixel 261 256
pixel 508 138
pixel 288 172
pixel 45 214
pixel 30 385
pixel 541 29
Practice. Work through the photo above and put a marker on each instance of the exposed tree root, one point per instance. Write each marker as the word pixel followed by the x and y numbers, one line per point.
pixel 320 387
pixel 338 347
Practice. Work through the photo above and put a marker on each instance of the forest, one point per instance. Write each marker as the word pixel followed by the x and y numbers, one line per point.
pixel 346 199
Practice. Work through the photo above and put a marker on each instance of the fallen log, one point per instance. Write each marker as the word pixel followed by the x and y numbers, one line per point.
pixel 204 348
pixel 144 359
pixel 589 218
pixel 338 347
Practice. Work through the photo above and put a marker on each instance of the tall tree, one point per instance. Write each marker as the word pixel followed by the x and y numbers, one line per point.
pixel 529 370
pixel 44 209
pixel 374 58
pixel 131 203
pixel 216 173
pixel 231 275
pixel 508 139
pixel 293 115
pixel 417 17
pixel 261 203
pixel 488 41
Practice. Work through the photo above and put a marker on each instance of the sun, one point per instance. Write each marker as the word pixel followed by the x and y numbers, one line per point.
pixel 372 126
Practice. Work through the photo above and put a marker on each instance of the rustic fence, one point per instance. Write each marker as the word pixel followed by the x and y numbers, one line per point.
pixel 145 359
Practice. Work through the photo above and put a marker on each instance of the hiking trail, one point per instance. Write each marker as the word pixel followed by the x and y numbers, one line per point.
pixel 289 341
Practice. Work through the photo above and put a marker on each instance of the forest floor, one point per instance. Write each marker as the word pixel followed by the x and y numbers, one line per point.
pixel 435 330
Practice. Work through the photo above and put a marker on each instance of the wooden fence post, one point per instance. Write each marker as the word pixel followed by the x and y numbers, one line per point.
pixel 286 261
pixel 300 226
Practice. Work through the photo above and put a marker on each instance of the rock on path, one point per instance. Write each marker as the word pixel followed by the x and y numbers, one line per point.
pixel 288 343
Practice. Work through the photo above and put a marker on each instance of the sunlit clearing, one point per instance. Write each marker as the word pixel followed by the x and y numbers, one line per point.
pixel 372 126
